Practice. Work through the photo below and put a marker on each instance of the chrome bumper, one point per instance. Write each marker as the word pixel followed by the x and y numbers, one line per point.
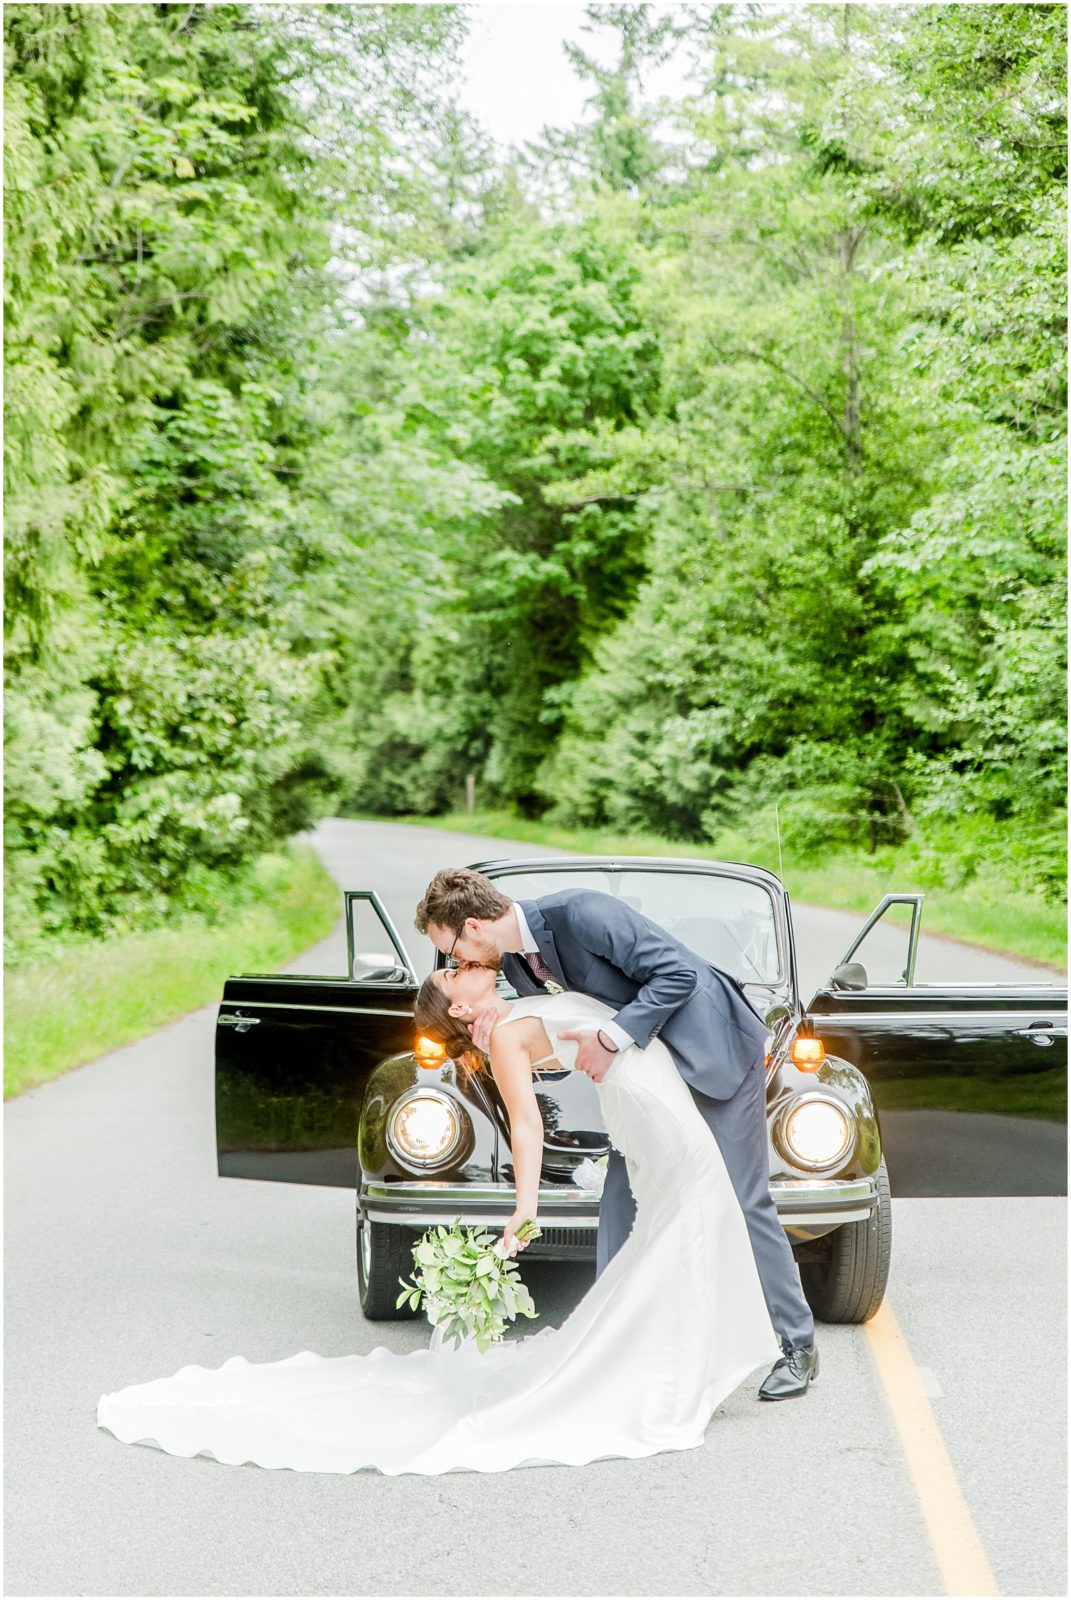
pixel 801 1203
pixel 425 1201
pixel 812 1202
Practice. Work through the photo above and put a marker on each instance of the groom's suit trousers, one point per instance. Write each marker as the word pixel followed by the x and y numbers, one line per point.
pixel 739 1126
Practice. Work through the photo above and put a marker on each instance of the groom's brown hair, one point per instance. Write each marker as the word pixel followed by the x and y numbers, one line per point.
pixel 456 893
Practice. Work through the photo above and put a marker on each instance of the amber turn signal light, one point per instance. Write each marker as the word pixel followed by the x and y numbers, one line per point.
pixel 429 1052
pixel 808 1053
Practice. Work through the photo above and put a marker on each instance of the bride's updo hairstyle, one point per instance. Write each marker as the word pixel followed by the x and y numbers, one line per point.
pixel 433 1020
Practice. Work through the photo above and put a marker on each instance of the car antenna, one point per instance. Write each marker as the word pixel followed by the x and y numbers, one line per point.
pixel 777 825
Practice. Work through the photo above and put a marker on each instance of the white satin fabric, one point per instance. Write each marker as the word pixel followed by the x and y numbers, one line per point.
pixel 675 1322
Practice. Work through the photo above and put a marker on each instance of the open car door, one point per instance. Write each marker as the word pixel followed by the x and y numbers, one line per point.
pixel 294 1053
pixel 969 1079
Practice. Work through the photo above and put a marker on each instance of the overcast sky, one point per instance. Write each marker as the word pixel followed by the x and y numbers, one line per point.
pixel 517 77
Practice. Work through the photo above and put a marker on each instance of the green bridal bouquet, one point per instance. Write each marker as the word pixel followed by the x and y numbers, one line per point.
pixel 469 1286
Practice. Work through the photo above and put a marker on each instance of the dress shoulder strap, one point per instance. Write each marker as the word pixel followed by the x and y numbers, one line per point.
pixel 528 1005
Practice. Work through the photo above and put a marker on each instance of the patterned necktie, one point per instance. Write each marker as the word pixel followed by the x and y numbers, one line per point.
pixel 538 967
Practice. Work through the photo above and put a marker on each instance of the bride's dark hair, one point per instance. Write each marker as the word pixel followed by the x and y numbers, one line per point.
pixel 432 1017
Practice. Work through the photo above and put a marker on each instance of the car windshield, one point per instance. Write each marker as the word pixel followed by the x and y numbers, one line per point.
pixel 727 921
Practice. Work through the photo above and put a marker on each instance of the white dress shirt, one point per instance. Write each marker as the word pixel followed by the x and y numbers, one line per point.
pixel 529 947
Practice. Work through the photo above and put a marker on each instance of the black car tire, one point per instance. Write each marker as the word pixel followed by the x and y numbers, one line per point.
pixel 384 1255
pixel 849 1285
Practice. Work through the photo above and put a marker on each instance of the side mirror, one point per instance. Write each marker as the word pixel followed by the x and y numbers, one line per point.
pixel 851 975
pixel 372 966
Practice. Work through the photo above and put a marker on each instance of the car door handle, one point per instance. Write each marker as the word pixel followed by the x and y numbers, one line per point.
pixel 227 1019
pixel 1038 1033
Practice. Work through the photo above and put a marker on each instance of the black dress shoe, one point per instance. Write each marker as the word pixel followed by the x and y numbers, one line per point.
pixel 791 1374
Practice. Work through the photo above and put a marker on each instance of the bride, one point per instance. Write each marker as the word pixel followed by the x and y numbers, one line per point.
pixel 675 1322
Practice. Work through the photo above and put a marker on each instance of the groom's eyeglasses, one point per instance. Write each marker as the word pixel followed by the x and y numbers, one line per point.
pixel 451 959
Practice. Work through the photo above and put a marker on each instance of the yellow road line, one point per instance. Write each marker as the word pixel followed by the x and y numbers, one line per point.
pixel 964 1567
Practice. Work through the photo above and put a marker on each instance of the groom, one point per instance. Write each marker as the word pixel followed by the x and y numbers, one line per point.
pixel 593 944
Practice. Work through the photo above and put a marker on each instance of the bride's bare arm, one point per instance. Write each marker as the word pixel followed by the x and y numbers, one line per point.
pixel 511 1068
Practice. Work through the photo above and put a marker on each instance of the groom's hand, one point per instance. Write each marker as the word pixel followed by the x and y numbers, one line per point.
pixel 482 1023
pixel 592 1057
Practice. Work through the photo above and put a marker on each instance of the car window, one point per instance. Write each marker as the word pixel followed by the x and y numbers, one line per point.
pixel 727 921
pixel 375 951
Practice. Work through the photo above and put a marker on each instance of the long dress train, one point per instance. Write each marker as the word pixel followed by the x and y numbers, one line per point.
pixel 675 1322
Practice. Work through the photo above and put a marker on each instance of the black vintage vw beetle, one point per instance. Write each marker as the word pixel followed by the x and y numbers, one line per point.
pixel 321 1080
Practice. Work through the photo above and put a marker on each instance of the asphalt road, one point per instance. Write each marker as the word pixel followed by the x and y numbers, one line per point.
pixel 127 1257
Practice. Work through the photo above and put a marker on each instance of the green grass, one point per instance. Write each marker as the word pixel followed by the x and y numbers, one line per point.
pixel 987 910
pixel 64 1010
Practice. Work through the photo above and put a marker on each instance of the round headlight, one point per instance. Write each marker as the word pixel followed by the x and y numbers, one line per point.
pixel 817 1132
pixel 425 1129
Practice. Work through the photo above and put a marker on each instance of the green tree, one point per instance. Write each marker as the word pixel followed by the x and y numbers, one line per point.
pixel 975 582
pixel 855 483
pixel 782 453
pixel 174 176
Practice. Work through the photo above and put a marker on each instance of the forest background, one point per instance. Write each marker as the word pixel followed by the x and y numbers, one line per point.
pixel 695 474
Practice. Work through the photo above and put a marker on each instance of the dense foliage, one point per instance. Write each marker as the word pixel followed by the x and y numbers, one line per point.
pixel 702 458
pixel 170 197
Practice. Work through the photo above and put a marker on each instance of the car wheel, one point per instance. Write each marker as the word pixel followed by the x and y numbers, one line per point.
pixel 849 1284
pixel 384 1255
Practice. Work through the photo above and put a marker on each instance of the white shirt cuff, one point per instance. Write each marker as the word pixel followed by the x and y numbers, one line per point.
pixel 618 1035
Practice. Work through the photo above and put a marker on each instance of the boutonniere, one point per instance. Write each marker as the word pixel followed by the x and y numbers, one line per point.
pixel 554 988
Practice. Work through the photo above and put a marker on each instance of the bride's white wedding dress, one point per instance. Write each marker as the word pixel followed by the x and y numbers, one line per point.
pixel 675 1322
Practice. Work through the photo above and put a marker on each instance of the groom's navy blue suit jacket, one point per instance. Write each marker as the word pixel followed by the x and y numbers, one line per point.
pixel 606 949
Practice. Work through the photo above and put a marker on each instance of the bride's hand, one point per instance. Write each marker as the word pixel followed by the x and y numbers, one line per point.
pixel 510 1243
pixel 481 1026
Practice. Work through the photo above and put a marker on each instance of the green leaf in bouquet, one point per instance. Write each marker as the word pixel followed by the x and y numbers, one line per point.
pixel 525 1303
